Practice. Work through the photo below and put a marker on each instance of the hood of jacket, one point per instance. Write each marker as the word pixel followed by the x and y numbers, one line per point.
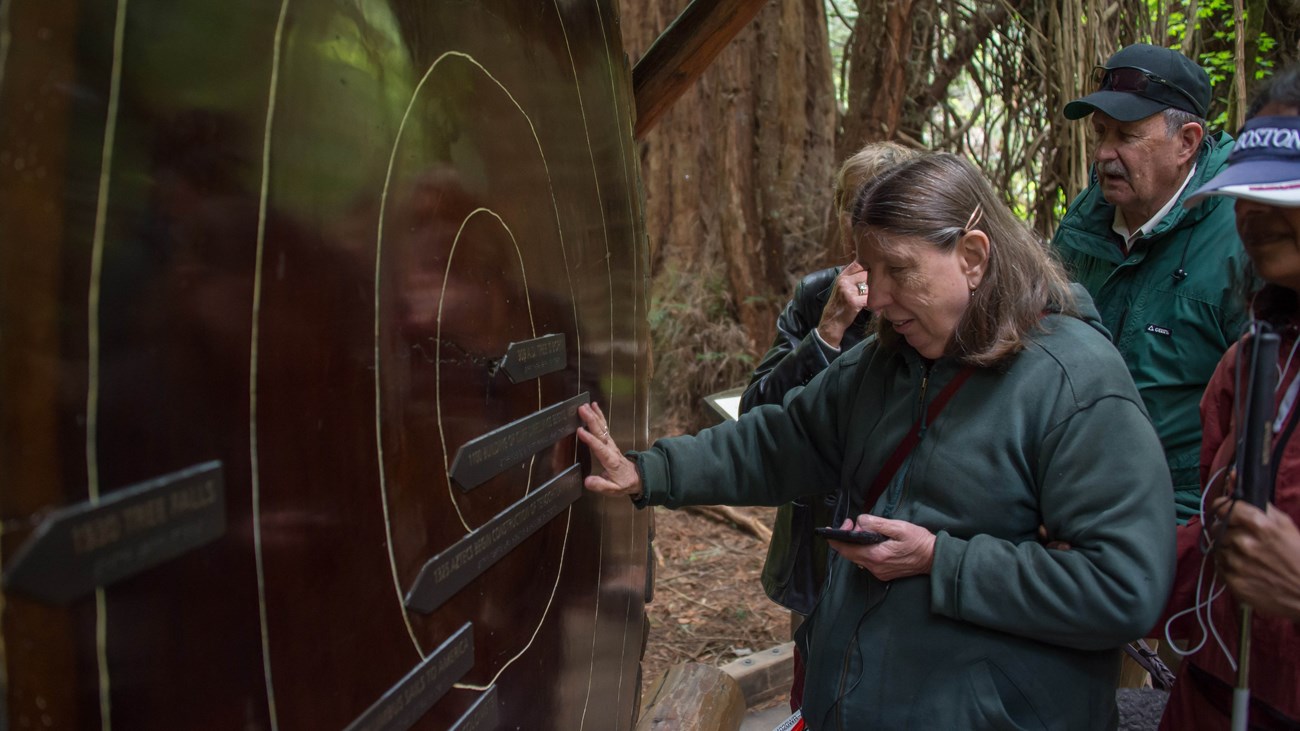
pixel 1084 309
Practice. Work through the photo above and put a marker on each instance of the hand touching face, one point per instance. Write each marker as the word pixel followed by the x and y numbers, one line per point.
pixel 848 298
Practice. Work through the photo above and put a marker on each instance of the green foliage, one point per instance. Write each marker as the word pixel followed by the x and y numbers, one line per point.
pixel 1216 27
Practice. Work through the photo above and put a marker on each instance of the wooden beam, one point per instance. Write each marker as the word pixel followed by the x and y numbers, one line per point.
pixel 764 675
pixel 681 53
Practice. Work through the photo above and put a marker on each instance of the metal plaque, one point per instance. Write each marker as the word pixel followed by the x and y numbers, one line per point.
pixel 535 358
pixel 85 546
pixel 448 572
pixel 482 458
pixel 482 716
pixel 405 703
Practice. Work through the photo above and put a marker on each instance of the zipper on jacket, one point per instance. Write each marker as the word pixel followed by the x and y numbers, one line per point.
pixel 1119 329
pixel 894 495
pixel 920 400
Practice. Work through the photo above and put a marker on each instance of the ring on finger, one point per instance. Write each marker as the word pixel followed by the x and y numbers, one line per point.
pixel 862 289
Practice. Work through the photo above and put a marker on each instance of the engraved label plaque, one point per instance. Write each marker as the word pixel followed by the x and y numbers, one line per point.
pixel 482 716
pixel 535 358
pixel 448 572
pixel 84 546
pixel 413 696
pixel 483 457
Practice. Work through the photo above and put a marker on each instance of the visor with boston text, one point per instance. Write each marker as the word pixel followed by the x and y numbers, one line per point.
pixel 1264 165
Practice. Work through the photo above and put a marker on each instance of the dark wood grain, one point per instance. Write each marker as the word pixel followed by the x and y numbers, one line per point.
pixel 300 245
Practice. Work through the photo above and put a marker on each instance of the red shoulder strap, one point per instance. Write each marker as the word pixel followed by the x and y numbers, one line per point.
pixel 913 437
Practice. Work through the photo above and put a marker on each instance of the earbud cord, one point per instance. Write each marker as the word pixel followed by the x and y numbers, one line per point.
pixel 1180 273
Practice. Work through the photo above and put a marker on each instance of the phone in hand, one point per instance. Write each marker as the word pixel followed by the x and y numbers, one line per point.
pixel 865 537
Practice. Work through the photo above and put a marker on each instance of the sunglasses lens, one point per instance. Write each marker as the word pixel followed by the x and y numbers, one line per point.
pixel 1123 79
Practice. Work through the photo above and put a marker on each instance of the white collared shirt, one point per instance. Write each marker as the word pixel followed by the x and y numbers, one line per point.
pixel 1120 227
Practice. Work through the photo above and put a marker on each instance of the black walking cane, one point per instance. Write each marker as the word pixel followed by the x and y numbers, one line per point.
pixel 1254 480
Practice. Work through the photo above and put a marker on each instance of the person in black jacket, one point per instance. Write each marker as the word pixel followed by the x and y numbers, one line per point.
pixel 827 316
pixel 828 313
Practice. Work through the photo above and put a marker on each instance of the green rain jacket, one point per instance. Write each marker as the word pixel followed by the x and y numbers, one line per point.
pixel 1004 632
pixel 1171 329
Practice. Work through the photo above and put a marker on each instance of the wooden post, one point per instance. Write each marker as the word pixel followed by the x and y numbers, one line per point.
pixel 693 697
pixel 681 53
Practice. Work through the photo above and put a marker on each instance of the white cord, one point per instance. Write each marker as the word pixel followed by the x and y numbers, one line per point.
pixel 1201 609
pixel 1195 609
pixel 1206 538
pixel 1204 621
pixel 1286 368
pixel 1288 399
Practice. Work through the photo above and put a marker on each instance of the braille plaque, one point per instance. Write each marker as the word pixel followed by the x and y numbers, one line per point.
pixel 482 716
pixel 405 703
pixel 89 545
pixel 482 458
pixel 449 571
pixel 534 358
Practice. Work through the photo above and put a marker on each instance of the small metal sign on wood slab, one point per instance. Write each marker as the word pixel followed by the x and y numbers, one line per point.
pixel 482 716
pixel 93 544
pixel 448 572
pixel 406 702
pixel 535 358
pixel 482 458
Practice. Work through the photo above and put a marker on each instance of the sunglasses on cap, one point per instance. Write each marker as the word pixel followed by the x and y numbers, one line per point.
pixel 1136 80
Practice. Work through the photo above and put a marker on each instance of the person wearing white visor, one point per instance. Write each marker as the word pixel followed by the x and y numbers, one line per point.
pixel 1256 553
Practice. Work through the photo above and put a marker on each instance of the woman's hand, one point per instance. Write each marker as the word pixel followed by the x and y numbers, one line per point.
pixel 848 298
pixel 620 476
pixel 908 552
pixel 1259 556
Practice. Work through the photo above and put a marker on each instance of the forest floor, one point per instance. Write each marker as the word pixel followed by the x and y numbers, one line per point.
pixel 709 606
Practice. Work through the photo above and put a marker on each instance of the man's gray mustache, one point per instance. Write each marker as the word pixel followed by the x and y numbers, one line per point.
pixel 1112 167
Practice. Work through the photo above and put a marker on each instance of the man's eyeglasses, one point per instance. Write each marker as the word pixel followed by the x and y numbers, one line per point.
pixel 1136 80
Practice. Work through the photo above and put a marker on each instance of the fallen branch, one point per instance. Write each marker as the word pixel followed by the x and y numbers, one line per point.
pixel 725 514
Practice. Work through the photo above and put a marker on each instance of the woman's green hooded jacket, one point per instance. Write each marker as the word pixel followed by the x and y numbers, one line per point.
pixel 1004 632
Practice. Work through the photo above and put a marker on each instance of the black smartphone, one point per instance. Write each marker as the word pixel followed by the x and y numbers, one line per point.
pixel 864 537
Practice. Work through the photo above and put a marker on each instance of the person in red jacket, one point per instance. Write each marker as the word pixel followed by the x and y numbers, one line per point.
pixel 1254 553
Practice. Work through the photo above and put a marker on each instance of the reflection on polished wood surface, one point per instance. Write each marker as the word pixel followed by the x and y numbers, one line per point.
pixel 297 239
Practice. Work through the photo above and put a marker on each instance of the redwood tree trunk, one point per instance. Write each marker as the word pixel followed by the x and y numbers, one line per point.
pixel 882 74
pixel 737 178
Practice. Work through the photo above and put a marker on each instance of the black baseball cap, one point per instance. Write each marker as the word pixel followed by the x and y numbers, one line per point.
pixel 1143 79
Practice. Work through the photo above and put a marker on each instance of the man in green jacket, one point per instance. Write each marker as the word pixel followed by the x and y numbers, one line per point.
pixel 1162 276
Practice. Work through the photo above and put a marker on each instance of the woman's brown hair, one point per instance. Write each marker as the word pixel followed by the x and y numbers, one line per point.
pixel 938 198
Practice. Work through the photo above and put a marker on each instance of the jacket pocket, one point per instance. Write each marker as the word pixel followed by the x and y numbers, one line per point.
pixel 790 574
pixel 979 695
